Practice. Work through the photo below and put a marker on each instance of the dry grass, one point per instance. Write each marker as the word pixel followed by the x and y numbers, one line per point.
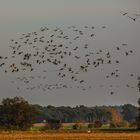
pixel 68 136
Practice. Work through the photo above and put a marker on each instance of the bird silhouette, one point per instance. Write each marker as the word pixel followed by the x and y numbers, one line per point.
pixel 124 13
pixel 133 18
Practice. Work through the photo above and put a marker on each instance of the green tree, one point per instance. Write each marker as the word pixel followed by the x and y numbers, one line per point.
pixel 129 113
pixel 16 113
pixel 138 118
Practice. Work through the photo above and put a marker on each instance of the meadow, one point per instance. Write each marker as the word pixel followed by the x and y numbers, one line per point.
pixel 60 135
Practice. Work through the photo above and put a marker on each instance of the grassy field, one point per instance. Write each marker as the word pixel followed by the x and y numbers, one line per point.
pixel 69 126
pixel 69 135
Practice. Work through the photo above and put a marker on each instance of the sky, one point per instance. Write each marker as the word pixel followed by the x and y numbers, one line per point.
pixel 18 17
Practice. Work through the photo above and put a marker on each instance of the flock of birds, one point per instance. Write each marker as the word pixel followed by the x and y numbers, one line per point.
pixel 67 53
pixel 133 17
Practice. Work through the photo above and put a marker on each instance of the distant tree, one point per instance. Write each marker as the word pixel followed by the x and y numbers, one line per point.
pixel 138 117
pixel 129 113
pixel 16 113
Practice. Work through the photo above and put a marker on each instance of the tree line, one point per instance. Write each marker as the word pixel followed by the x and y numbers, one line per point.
pixel 17 113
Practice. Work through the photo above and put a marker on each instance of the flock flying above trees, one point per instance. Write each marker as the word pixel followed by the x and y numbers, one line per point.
pixel 65 51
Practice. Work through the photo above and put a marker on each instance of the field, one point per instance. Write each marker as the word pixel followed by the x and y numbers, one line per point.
pixel 83 126
pixel 38 135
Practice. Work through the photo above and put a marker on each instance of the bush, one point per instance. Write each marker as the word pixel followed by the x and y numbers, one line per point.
pixel 112 125
pixel 123 124
pixel 90 125
pixel 76 126
pixel 97 124
pixel 53 125
pixel 133 125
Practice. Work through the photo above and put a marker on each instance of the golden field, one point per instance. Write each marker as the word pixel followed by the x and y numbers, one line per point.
pixel 69 136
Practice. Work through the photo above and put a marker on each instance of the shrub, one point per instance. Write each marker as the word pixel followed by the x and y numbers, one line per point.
pixel 112 125
pixel 90 125
pixel 53 125
pixel 76 126
pixel 97 124
pixel 123 124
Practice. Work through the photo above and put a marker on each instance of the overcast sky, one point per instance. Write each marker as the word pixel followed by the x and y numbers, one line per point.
pixel 23 16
